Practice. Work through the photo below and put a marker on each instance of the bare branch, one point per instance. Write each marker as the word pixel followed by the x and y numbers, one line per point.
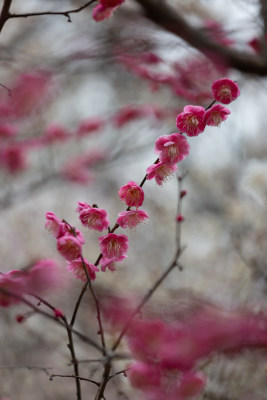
pixel 63 13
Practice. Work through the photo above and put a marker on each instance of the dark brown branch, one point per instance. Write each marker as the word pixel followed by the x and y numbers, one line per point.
pixel 63 13
pixel 5 13
pixel 169 19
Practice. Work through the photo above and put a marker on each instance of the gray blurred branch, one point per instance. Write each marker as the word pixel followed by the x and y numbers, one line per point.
pixel 169 19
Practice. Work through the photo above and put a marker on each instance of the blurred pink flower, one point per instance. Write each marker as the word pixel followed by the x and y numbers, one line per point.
pixel 191 384
pixel 42 276
pixel 129 219
pixel 55 133
pixel 7 130
pixel 127 114
pixel 14 282
pixel 89 125
pixel 172 148
pixel 53 224
pixel 225 90
pixel 114 246
pixel 190 121
pixel 132 194
pixel 13 158
pixel 160 172
pixel 143 375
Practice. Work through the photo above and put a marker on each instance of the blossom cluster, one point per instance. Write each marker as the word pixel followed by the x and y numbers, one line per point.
pixel 168 354
pixel 192 121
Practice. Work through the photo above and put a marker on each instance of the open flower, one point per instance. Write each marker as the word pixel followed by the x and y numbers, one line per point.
pixel 216 114
pixel 132 194
pixel 114 246
pixel 172 148
pixel 129 219
pixel 94 218
pixel 190 121
pixel 225 90
pixel 69 247
pixel 160 172
pixel 76 267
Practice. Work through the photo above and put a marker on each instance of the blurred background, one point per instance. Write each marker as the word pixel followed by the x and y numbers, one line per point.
pixel 81 105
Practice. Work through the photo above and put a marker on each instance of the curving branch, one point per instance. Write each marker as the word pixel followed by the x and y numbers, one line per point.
pixel 169 19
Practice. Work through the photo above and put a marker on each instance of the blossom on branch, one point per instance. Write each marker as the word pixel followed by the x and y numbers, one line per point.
pixel 191 120
pixel 76 267
pixel 114 246
pixel 129 219
pixel 172 148
pixel 216 114
pixel 160 172
pixel 69 247
pixel 225 90
pixel 94 218
pixel 132 194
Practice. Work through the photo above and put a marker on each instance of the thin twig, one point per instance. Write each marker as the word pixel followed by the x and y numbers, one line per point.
pixel 98 311
pixel 63 13
pixel 76 377
pixel 74 359
pixel 44 369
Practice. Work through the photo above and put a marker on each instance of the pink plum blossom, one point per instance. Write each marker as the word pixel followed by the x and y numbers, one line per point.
pixel 129 219
pixel 191 120
pixel 110 263
pixel 42 276
pixel 191 384
pixel 69 247
pixel 225 90
pixel 53 224
pixel 172 148
pixel 7 130
pixel 59 228
pixel 160 172
pixel 77 269
pixel 132 194
pixel 13 157
pixel 89 125
pixel 100 12
pixel 94 218
pixel 81 206
pixel 113 246
pixel 55 133
pixel 143 375
pixel 127 114
pixel 216 114
pixel 14 282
